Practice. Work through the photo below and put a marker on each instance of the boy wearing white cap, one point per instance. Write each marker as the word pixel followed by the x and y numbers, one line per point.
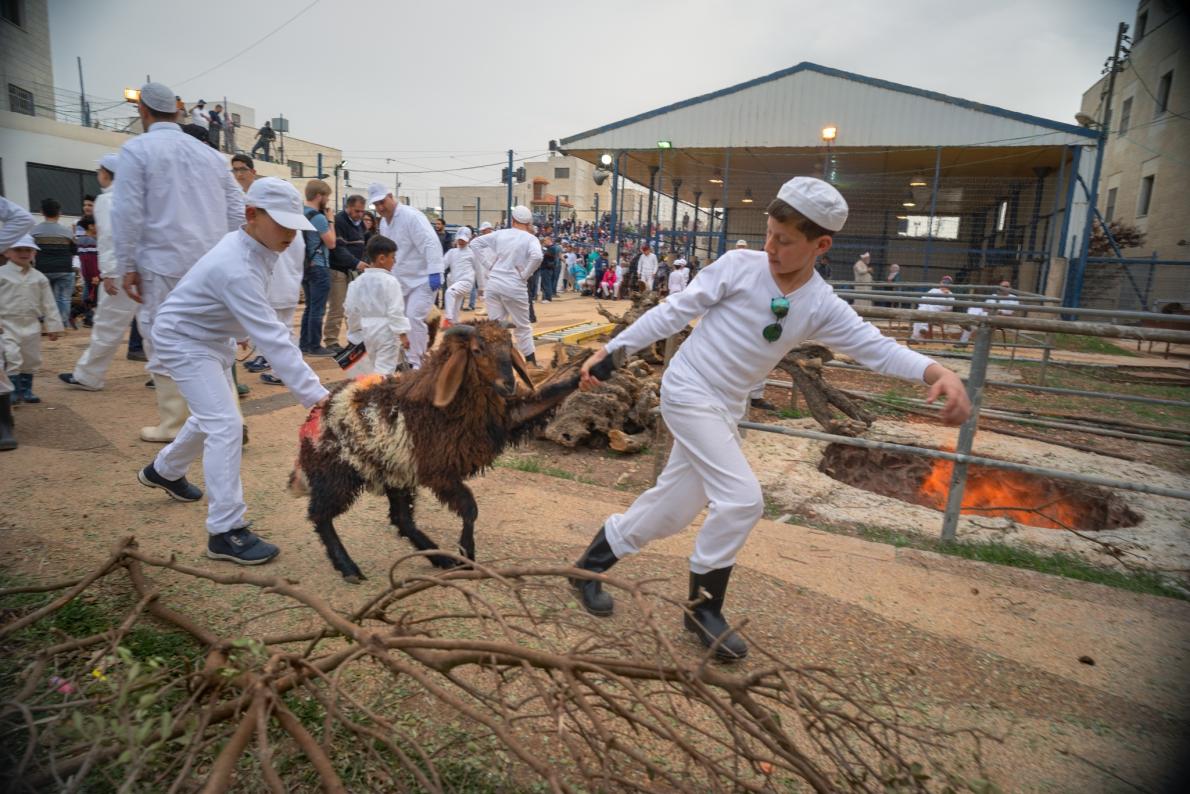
pixel 116 308
pixel 419 263
pixel 679 278
pixel 26 303
pixel 224 297
pixel 504 260
pixel 647 266
pixel 755 306
pixel 460 263
pixel 375 309
pixel 15 223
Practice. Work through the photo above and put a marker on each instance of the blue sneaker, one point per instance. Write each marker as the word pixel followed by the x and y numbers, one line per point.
pixel 181 489
pixel 241 546
pixel 258 364
pixel 271 379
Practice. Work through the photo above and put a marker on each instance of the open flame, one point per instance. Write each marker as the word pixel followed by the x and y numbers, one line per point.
pixel 994 492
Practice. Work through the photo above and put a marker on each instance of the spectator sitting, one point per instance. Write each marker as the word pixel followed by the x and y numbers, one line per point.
pixel 607 287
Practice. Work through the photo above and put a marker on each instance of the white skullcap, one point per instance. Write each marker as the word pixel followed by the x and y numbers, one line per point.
pixel 483 227
pixel 108 162
pixel 377 192
pixel 463 233
pixel 280 200
pixel 521 214
pixel 26 242
pixel 159 97
pixel 741 243
pixel 817 200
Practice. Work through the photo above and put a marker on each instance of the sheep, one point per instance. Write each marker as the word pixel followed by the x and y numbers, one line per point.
pixel 436 427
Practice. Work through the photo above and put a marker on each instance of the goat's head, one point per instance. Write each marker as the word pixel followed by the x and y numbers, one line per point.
pixel 487 350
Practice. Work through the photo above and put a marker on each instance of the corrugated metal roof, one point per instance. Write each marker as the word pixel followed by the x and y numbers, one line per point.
pixel 789 108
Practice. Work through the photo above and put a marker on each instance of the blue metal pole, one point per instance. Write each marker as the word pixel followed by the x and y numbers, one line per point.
pixel 511 176
pixel 1074 286
pixel 925 270
pixel 615 193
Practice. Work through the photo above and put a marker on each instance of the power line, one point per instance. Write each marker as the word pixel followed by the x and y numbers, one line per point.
pixel 250 46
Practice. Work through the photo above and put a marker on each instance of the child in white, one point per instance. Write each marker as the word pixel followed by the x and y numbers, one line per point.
pixel 26 302
pixel 679 278
pixel 375 310
pixel 752 307
pixel 460 263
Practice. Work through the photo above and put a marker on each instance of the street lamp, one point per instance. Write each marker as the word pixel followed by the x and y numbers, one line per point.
pixel 918 181
pixel 717 178
pixel 132 95
pixel 829 133
pixel 605 160
pixel 664 145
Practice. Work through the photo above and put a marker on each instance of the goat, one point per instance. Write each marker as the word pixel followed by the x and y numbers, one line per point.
pixel 436 427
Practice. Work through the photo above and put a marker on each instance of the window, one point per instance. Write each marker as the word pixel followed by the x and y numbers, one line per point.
pixel 13 11
pixel 1125 115
pixel 1142 21
pixel 1146 195
pixel 235 119
pixel 295 169
pixel 20 100
pixel 1163 87
pixel 67 185
pixel 561 173
pixel 945 227
pixel 1110 212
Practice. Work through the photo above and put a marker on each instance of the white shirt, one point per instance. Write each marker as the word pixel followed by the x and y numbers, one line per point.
pixel 461 264
pixel 726 355
pixel 862 274
pixel 374 302
pixel 646 268
pixel 223 297
pixel 174 200
pixel 419 252
pixel 285 284
pixel 506 258
pixel 26 295
pixel 678 280
pixel 200 117
pixel 1005 300
pixel 106 242
pixel 15 223
pixel 936 293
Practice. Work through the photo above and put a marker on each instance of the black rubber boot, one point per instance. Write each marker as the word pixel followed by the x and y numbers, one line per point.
pixel 598 558
pixel 8 438
pixel 705 618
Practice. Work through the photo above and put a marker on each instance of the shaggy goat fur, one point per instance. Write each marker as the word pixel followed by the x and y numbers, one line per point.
pixel 434 427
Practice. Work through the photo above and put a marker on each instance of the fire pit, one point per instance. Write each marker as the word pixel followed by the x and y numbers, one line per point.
pixel 1027 499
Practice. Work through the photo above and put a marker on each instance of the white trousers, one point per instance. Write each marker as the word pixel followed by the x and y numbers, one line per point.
pixel 456 293
pixel 706 466
pixel 112 318
pixel 213 431
pixel 384 349
pixel 418 303
pixel 285 315
pixel 154 289
pixel 514 309
pixel 22 343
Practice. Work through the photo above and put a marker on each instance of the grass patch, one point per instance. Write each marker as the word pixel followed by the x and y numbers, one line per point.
pixel 1058 564
pixel 792 413
pixel 534 465
pixel 1091 344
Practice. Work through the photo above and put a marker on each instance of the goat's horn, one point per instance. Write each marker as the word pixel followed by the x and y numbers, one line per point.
pixel 460 329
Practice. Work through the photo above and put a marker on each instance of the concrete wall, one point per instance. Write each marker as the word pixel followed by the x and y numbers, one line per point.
pixel 25 57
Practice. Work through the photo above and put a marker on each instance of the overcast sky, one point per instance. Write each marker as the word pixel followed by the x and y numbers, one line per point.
pixel 445 85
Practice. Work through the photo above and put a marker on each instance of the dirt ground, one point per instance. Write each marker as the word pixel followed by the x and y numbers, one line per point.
pixel 972 644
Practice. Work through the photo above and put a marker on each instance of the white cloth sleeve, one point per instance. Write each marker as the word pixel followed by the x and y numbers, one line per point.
pixel 235 201
pixel 844 330
pixel 107 239
pixel 483 253
pixel 252 310
pixel 666 319
pixel 128 211
pixel 355 333
pixel 427 240
pixel 15 223
pixel 535 255
pixel 397 320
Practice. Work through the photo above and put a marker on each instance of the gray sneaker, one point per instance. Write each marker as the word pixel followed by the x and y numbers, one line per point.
pixel 241 546
pixel 180 489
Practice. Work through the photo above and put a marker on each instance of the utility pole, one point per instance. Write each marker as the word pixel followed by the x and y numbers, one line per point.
pixel 1113 66
pixel 85 114
pixel 511 176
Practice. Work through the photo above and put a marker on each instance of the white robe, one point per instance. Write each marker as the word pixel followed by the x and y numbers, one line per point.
pixel 375 310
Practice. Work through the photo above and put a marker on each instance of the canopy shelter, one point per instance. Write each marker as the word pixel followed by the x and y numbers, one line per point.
pixel 935 183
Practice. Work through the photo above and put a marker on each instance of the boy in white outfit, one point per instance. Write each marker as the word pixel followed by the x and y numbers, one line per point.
pixel 505 260
pixel 116 309
pixel 460 263
pixel 679 278
pixel 375 309
pixel 15 223
pixel 223 297
pixel 26 302
pixel 752 307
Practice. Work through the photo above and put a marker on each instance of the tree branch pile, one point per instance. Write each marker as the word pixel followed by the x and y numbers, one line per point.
pixel 471 679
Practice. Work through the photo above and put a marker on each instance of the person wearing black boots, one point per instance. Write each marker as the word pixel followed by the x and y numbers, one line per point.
pixel 752 308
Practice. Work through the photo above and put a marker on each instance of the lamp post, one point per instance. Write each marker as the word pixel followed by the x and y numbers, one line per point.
pixel 673 217
pixel 829 133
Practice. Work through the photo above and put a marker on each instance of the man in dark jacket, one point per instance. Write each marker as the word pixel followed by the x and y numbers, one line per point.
pixel 56 257
pixel 344 262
